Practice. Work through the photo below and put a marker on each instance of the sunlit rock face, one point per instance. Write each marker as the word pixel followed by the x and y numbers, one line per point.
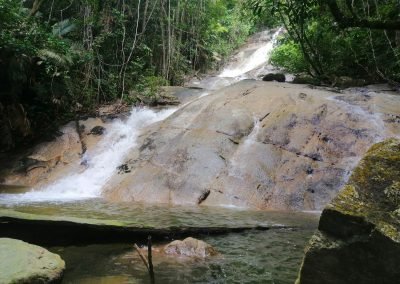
pixel 256 144
pixel 358 239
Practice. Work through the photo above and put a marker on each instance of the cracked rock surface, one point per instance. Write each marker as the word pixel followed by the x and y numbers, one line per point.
pixel 257 144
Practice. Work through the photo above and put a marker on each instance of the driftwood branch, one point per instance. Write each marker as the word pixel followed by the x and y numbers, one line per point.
pixel 148 262
pixel 144 259
pixel 355 22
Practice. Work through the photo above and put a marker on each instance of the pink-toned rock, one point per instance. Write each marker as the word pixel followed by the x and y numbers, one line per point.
pixel 190 247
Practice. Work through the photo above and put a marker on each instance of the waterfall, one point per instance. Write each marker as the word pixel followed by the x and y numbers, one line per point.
pixel 121 136
pixel 101 163
pixel 251 58
pixel 245 63
pixel 241 154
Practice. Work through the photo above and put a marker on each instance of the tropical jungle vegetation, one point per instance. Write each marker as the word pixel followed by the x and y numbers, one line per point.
pixel 62 58
pixel 332 38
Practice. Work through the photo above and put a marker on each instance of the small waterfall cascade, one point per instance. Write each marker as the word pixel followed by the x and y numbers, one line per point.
pixel 101 163
pixel 247 63
pixel 121 136
pixel 252 57
pixel 235 168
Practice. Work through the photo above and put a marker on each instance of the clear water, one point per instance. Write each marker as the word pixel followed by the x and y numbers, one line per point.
pixel 272 256
pixel 159 216
pixel 253 257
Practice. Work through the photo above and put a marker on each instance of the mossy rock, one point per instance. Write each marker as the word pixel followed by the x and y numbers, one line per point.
pixel 305 79
pixel 21 262
pixel 359 238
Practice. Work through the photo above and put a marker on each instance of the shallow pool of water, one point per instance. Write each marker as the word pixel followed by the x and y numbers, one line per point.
pixel 271 256
pixel 253 257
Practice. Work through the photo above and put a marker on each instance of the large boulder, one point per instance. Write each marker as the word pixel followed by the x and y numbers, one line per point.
pixel 51 160
pixel 278 77
pixel 35 168
pixel 359 231
pixel 255 144
pixel 21 262
pixel 190 247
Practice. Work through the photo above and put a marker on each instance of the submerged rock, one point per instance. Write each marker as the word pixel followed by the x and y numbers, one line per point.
pixel 21 262
pixel 359 231
pixel 190 247
pixel 117 279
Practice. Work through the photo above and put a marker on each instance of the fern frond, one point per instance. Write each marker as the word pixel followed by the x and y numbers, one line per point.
pixel 63 27
pixel 58 59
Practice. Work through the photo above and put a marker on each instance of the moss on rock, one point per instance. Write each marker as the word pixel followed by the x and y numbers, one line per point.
pixel 21 262
pixel 359 238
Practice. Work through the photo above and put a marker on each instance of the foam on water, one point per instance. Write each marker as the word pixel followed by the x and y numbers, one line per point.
pixel 101 163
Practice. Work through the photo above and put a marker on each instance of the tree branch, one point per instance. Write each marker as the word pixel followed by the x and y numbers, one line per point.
pixel 347 22
pixel 35 7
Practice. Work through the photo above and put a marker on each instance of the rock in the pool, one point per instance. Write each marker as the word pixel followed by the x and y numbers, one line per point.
pixel 190 247
pixel 21 262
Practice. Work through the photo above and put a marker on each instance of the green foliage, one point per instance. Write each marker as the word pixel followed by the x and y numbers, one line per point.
pixel 338 38
pixel 150 86
pixel 70 56
pixel 288 55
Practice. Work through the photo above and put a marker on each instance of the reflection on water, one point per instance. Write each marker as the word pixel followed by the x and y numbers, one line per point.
pixel 134 214
pixel 271 256
pixel 252 257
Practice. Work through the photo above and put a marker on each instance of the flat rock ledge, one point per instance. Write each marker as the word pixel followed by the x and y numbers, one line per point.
pixel 62 230
pixel 358 238
pixel 21 262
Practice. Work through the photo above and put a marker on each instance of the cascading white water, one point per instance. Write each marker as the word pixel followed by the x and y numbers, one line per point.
pixel 121 136
pixel 235 167
pixel 256 59
pixel 252 58
pixel 101 163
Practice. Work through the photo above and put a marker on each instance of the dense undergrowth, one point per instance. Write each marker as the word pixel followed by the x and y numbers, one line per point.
pixel 62 58
pixel 329 39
